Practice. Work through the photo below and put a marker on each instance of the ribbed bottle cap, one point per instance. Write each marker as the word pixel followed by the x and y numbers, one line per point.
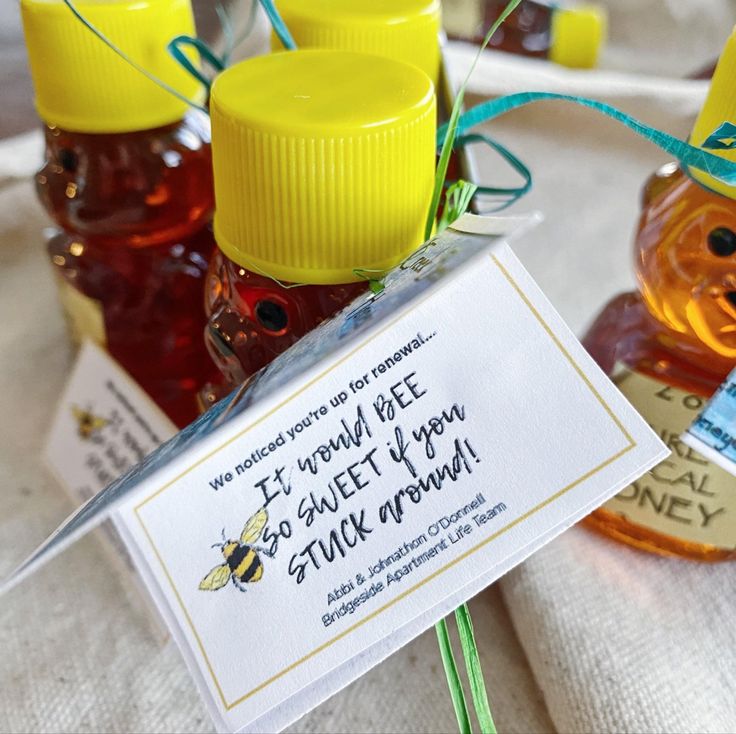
pixel 719 107
pixel 323 161
pixel 577 35
pixel 407 30
pixel 84 86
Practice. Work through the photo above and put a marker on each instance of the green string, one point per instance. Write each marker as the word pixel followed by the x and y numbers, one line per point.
pixel 446 143
pixel 457 200
pixel 448 140
pixel 453 678
pixel 475 672
pixel 374 283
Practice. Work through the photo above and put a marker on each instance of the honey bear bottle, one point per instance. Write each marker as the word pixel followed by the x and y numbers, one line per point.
pixel 569 33
pixel 128 178
pixel 670 345
pixel 324 167
pixel 406 30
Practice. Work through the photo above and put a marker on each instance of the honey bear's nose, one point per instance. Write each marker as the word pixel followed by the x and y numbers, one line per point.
pixel 731 297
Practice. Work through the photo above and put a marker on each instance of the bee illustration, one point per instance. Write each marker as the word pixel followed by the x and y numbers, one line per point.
pixel 242 559
pixel 87 422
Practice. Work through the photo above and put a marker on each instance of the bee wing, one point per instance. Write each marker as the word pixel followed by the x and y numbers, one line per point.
pixel 78 413
pixel 98 422
pixel 254 527
pixel 216 578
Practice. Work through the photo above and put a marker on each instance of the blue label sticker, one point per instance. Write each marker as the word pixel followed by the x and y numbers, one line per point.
pixel 724 138
pixel 715 427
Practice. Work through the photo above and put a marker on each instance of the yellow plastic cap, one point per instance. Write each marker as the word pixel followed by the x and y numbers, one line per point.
pixel 577 35
pixel 719 107
pixel 407 30
pixel 323 161
pixel 82 85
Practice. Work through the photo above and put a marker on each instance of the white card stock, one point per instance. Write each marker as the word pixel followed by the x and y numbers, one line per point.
pixel 391 465
pixel 104 425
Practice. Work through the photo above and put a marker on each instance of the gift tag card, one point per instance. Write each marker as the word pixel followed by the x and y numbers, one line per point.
pixel 104 425
pixel 388 467
pixel 381 490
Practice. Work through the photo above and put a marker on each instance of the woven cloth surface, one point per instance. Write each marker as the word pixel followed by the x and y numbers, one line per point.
pixel 587 636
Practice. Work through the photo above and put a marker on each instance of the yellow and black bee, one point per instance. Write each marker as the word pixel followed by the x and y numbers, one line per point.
pixel 242 560
pixel 87 422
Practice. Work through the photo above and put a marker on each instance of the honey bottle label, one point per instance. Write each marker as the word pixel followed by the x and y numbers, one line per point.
pixel 686 496
pixel 84 316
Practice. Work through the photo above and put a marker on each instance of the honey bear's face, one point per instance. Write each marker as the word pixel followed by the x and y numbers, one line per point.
pixel 686 259
pixel 252 318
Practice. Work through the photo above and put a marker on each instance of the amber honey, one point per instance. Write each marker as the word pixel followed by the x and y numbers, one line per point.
pixel 135 208
pixel 679 329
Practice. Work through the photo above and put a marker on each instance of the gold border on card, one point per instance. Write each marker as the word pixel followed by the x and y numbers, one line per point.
pixel 631 444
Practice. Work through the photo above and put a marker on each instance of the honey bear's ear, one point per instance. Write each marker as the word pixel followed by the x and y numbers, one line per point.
pixel 657 183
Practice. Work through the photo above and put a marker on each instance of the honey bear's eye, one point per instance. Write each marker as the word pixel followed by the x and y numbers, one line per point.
pixel 722 241
pixel 271 316
pixel 68 160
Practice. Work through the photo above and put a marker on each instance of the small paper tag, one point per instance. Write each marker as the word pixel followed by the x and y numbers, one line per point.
pixel 385 469
pixel 104 425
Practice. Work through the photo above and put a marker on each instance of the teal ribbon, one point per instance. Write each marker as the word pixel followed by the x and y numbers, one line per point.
pixel 722 138
pixel 279 27
pixel 175 48
pixel 513 193
pixel 206 54
pixel 689 156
